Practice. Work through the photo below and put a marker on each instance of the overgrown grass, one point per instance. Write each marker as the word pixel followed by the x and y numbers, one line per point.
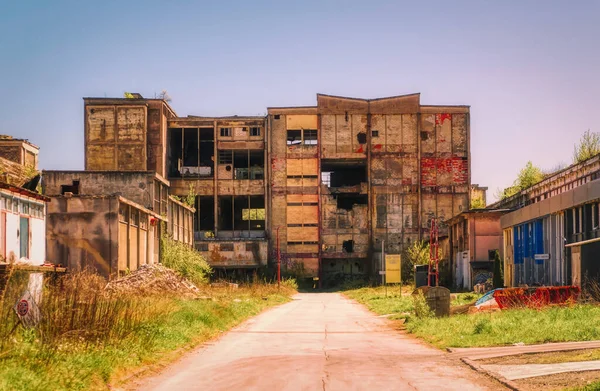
pixel 90 352
pixel 397 302
pixel 529 326
pixel 551 324
pixel 185 260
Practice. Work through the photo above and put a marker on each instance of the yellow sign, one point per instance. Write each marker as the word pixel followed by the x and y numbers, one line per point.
pixel 392 268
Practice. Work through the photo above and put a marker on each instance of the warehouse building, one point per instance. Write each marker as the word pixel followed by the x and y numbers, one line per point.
pixel 327 185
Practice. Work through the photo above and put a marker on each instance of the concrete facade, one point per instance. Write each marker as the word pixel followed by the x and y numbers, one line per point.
pixel 330 183
pixel 19 151
pixel 108 234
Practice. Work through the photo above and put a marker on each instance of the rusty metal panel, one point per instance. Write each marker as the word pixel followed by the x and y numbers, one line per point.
pixel 393 132
pixel 301 121
pixel 131 123
pixel 100 123
pixel 409 133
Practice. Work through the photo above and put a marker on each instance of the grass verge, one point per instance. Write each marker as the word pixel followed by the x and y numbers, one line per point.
pixel 151 329
pixel 529 326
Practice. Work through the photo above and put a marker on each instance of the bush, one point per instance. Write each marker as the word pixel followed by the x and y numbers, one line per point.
pixel 422 309
pixel 185 260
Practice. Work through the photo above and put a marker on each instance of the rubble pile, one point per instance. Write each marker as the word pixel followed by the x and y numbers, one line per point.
pixel 152 279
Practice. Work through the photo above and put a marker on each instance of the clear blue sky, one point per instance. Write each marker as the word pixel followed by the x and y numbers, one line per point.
pixel 529 69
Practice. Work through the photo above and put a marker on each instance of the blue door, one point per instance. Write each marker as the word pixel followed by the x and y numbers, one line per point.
pixel 24 237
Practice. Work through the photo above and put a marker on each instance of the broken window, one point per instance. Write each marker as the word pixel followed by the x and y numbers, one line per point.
pixel 226 247
pixel 247 164
pixel 347 201
pixel 205 214
pixel 294 137
pixel 191 152
pixel 302 137
pixel 255 131
pixel 340 174
pixel 202 246
pixel 242 213
pixel 225 132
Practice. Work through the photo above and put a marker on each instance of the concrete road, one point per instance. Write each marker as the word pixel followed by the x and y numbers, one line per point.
pixel 319 341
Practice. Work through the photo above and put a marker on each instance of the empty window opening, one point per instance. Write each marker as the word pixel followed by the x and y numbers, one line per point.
pixel 340 175
pixel 361 138
pixel 276 116
pixel 348 246
pixel 191 152
pixel 375 133
pixel 247 164
pixel 205 213
pixel 347 201
pixel 225 132
pixel 255 131
pixel 242 213
pixel 74 188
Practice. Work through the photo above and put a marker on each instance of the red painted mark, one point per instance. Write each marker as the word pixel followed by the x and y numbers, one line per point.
pixel 440 118
pixel 456 166
pixel 360 150
pixel 377 146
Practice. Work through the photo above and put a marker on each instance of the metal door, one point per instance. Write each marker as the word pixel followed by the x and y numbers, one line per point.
pixel 24 237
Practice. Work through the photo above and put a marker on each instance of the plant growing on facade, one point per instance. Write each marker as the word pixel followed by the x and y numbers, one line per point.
pixel 589 146
pixel 477 203
pixel 528 176
pixel 190 198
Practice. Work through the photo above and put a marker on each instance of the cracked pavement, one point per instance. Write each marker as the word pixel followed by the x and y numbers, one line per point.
pixel 319 341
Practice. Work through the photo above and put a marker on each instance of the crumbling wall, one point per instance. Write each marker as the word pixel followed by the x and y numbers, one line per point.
pixel 116 137
pixel 83 232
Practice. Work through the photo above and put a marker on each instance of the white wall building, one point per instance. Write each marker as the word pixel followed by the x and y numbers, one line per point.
pixel 22 225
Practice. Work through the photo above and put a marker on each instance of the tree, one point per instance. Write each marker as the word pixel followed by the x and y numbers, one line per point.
pixel 165 96
pixel 528 176
pixel 589 145
pixel 417 253
pixel 498 277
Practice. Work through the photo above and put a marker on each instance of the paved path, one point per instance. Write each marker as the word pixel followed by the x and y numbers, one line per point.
pixel 501 351
pixel 524 371
pixel 319 341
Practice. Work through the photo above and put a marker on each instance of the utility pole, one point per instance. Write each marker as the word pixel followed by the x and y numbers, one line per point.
pixel 278 261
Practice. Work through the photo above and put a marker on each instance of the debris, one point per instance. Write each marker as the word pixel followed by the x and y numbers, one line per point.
pixel 152 279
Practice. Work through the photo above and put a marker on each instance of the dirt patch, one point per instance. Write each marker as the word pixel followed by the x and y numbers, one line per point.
pixel 559 381
pixel 153 279
pixel 545 358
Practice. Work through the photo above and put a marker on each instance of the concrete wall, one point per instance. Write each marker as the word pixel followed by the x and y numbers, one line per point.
pixel 108 234
pixel 231 254
pixel 140 187
pixel 83 231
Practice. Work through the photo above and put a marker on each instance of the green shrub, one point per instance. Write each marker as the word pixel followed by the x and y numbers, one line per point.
pixel 422 309
pixel 290 283
pixel 185 260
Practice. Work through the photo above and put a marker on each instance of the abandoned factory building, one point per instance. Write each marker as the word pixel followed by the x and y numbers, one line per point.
pixel 326 184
